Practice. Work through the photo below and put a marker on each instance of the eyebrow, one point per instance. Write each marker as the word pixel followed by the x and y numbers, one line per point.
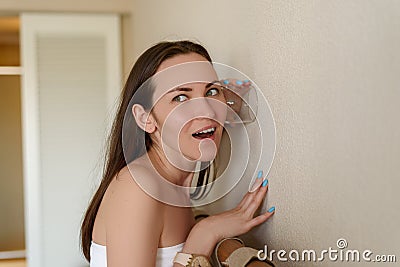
pixel 185 89
pixel 212 83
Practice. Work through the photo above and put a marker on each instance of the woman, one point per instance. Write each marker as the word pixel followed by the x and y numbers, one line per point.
pixel 126 226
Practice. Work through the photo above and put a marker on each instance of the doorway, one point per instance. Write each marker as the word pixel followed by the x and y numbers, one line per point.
pixel 56 100
pixel 12 233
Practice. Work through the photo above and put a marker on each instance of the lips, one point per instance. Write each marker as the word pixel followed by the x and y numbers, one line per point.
pixel 205 132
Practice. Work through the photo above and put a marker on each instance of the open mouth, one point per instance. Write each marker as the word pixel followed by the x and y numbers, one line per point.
pixel 207 133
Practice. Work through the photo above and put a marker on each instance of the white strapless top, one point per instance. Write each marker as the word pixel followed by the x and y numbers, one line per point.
pixel 165 256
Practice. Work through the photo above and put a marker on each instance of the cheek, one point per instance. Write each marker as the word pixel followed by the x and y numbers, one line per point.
pixel 174 126
pixel 221 111
pixel 176 121
pixel 167 117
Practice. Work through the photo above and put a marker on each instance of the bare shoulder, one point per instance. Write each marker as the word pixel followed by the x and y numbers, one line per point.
pixel 133 221
pixel 126 188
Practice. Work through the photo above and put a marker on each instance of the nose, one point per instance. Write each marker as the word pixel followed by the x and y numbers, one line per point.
pixel 204 107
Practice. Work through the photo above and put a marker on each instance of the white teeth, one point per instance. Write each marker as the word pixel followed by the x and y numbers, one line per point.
pixel 207 131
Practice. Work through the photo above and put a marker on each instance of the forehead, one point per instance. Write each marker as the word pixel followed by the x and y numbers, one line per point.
pixel 179 59
pixel 182 70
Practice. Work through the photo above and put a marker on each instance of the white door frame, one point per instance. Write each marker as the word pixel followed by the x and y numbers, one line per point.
pixel 33 24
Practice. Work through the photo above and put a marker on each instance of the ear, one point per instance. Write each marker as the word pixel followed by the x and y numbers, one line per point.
pixel 143 119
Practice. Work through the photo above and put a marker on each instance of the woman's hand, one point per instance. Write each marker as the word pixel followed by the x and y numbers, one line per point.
pixel 241 219
pixel 209 231
pixel 235 90
pixel 234 93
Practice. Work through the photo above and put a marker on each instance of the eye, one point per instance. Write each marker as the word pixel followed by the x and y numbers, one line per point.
pixel 213 92
pixel 179 98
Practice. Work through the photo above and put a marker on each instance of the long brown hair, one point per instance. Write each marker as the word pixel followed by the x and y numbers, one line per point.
pixel 145 67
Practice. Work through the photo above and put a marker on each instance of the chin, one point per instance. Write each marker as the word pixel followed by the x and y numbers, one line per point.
pixel 206 158
pixel 206 150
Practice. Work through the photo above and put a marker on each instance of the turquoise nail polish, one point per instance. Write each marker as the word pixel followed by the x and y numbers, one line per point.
pixel 246 81
pixel 239 82
pixel 259 175
pixel 265 182
pixel 272 209
pixel 226 82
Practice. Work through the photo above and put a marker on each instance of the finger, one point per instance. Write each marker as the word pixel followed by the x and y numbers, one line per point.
pixel 262 218
pixel 231 81
pixel 248 197
pixel 244 200
pixel 246 82
pixel 258 198
pixel 256 185
pixel 236 84
pixel 257 182
pixel 260 194
pixel 252 197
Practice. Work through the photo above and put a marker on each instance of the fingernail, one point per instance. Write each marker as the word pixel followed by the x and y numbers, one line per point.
pixel 272 209
pixel 226 82
pixel 265 183
pixel 239 82
pixel 259 175
pixel 246 81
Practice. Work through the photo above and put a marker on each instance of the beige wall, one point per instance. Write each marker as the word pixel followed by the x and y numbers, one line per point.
pixel 330 71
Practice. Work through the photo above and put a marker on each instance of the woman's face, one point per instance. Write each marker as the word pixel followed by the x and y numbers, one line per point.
pixel 190 116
